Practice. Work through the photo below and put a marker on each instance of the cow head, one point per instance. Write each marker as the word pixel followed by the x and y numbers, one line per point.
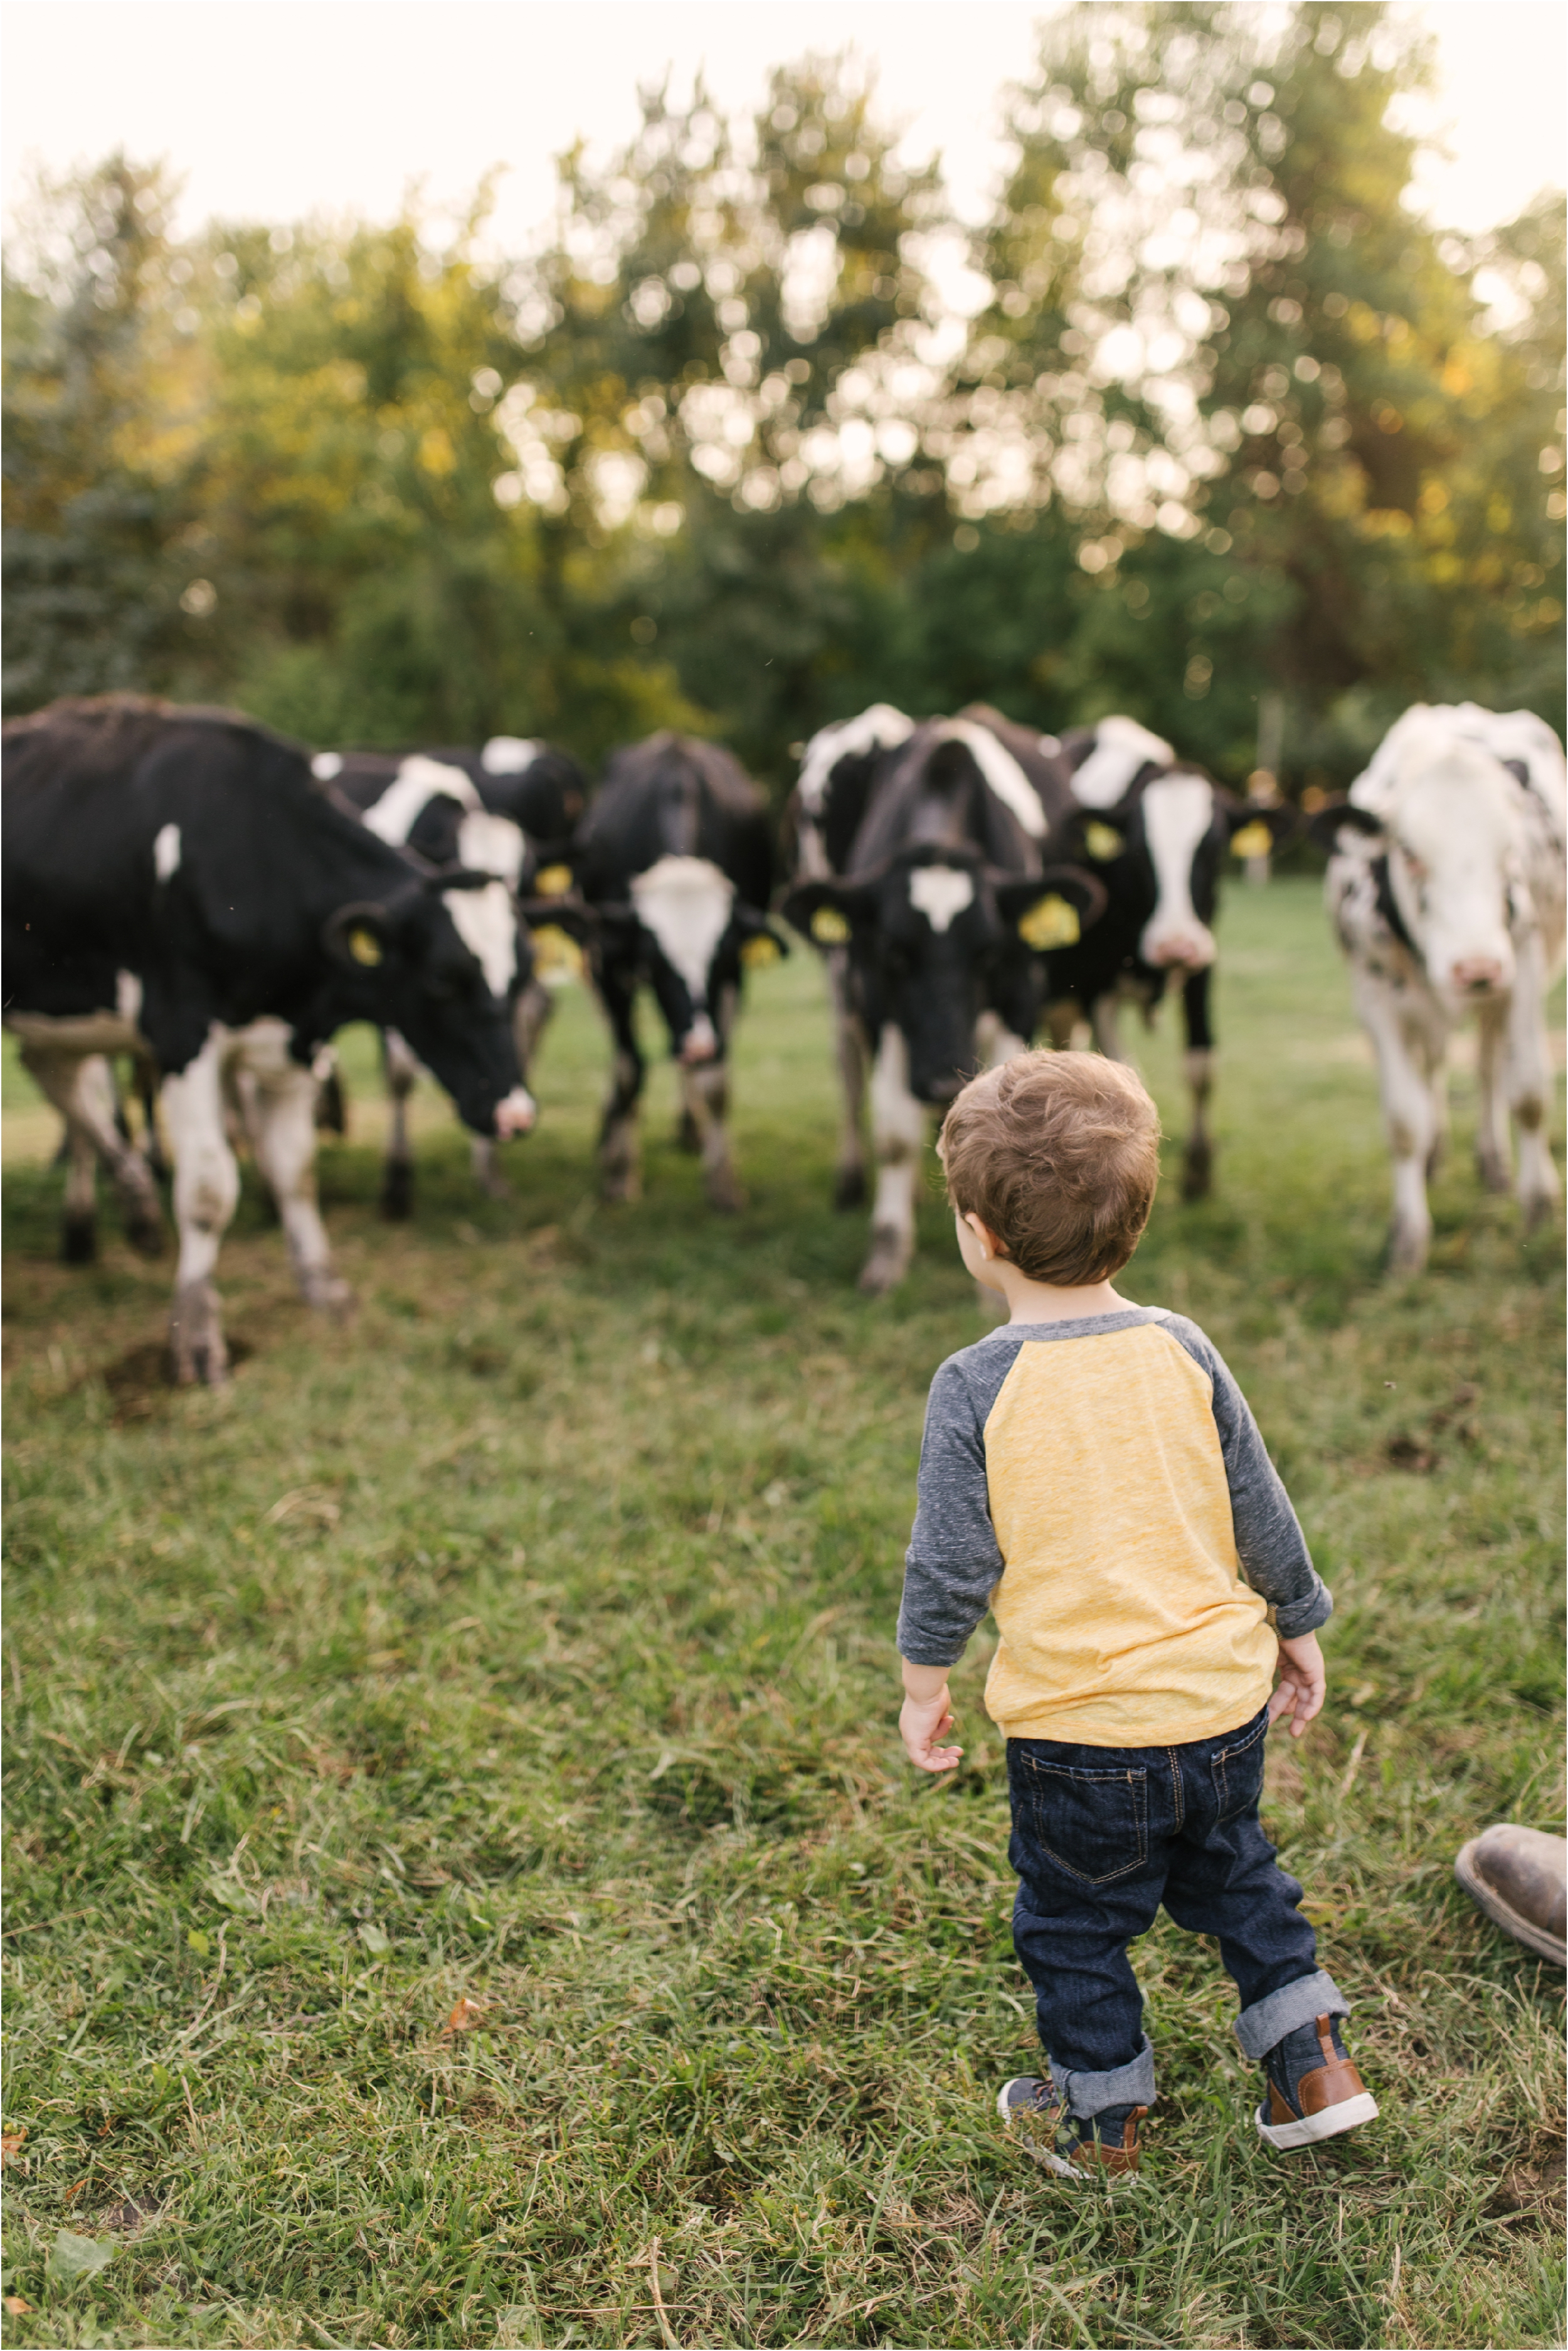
pixel 1447 835
pixel 936 937
pixel 691 933
pixel 406 963
pixel 1162 851
pixel 536 786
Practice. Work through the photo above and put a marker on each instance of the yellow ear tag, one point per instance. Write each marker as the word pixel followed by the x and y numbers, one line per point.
pixel 758 951
pixel 1050 923
pixel 1102 842
pixel 365 947
pixel 553 882
pixel 557 956
pixel 1254 839
pixel 829 927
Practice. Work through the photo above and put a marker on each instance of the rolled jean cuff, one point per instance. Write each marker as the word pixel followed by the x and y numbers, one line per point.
pixel 1265 2024
pixel 1084 2095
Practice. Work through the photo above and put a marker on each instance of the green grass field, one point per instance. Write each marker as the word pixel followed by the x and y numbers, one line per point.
pixel 527 1644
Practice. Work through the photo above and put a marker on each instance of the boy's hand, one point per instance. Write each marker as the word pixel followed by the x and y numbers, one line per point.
pixel 926 1713
pixel 1303 1681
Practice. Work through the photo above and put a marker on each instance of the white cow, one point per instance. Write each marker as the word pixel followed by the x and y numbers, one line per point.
pixel 1445 886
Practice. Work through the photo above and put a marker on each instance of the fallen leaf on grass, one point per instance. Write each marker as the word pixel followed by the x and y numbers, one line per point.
pixel 465 2016
pixel 305 1503
pixel 376 1940
pixel 77 2257
pixel 18 2307
pixel 11 2144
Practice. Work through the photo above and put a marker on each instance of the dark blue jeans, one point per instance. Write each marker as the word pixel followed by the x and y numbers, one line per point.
pixel 1102 1836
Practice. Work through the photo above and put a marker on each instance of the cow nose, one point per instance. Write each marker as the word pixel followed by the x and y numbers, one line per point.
pixel 1177 951
pixel 1478 974
pixel 699 1043
pixel 942 1090
pixel 517 1115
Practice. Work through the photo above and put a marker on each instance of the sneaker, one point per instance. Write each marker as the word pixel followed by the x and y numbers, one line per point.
pixel 1068 2144
pixel 1314 2091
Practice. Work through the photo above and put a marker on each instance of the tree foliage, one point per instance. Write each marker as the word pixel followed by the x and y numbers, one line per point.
pixel 1230 422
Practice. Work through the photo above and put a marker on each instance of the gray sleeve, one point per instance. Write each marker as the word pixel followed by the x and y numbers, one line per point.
pixel 1269 1539
pixel 952 1563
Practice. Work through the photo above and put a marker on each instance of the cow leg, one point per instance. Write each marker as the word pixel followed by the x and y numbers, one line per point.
pixel 619 1151
pixel 331 1107
pixel 1198 1065
pixel 705 1093
pixel 898 1138
pixel 81 1088
pixel 1062 1018
pixel 1409 1116
pixel 1494 1153
pixel 850 1048
pixel 1530 1084
pixel 78 1233
pixel 1104 1021
pixel 206 1187
pixel 283 1136
pixel 401 1070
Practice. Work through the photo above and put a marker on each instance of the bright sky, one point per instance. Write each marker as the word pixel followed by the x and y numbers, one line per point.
pixel 271 109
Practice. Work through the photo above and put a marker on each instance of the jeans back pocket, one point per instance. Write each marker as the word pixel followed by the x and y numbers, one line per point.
pixel 1093 1824
pixel 1239 1768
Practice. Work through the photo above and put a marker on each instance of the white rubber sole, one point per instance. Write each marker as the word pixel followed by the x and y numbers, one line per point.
pixel 1348 2115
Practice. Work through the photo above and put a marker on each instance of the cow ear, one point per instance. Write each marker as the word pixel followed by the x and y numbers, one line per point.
pixel 460 877
pixel 1326 824
pixel 1053 909
pixel 1256 829
pixel 760 942
pixel 357 935
pixel 826 911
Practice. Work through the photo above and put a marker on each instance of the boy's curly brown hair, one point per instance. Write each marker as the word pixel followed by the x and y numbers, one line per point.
pixel 1058 1154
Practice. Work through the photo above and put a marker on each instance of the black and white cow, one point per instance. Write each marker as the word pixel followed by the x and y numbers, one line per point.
pixel 177 881
pixel 941 903
pixel 1156 831
pixel 432 804
pixel 675 860
pixel 1446 887
pixel 838 771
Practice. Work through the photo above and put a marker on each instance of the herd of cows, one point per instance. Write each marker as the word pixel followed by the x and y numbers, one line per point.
pixel 186 889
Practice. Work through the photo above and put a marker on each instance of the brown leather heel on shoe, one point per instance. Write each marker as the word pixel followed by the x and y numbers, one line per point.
pixel 1093 2156
pixel 1333 2099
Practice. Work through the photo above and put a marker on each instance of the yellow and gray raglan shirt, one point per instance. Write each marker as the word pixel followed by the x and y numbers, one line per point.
pixel 1102 1487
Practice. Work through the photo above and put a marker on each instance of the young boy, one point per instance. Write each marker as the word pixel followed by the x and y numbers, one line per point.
pixel 1091 1474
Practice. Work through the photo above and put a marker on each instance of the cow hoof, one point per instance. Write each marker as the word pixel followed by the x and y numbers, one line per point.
pixel 329 1293
pixel 1492 1171
pixel 79 1240
pixel 1197 1171
pixel 196 1337
pixel 397 1191
pixel 725 1195
pixel 1536 1209
pixel 686 1137
pixel 886 1265
pixel 1407 1253
pixel 849 1189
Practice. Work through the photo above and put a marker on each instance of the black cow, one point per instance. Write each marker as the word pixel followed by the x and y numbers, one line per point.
pixel 454 810
pixel 942 904
pixel 176 881
pixel 1156 831
pixel 675 860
